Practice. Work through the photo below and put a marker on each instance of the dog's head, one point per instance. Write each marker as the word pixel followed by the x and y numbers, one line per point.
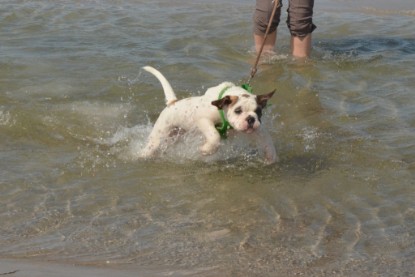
pixel 243 111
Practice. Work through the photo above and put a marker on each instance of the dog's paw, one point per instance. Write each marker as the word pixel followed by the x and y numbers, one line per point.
pixel 271 157
pixel 146 153
pixel 208 149
pixel 269 161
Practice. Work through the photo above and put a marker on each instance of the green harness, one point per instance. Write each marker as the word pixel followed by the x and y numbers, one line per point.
pixel 225 126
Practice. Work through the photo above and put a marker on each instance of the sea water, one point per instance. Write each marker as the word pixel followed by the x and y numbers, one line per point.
pixel 75 110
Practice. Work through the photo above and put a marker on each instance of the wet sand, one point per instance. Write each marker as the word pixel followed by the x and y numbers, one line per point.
pixel 26 268
pixel 19 268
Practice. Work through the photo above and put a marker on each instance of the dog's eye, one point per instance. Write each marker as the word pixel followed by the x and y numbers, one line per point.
pixel 238 110
pixel 258 111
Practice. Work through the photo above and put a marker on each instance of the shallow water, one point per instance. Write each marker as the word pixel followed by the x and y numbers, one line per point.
pixel 75 108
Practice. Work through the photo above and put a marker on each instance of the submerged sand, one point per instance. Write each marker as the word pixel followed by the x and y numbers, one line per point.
pixel 30 268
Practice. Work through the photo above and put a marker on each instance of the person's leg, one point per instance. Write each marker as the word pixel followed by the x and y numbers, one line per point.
pixel 300 23
pixel 262 14
pixel 301 46
pixel 269 43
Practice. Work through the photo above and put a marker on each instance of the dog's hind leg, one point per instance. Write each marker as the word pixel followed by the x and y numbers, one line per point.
pixel 157 136
pixel 150 149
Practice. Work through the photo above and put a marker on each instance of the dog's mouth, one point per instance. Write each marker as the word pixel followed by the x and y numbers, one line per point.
pixel 246 127
pixel 250 130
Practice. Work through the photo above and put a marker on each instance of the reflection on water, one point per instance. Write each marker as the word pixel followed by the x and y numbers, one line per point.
pixel 75 109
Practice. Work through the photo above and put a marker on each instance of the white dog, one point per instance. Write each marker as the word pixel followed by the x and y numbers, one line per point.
pixel 226 105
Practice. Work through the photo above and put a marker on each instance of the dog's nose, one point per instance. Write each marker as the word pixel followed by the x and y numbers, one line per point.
pixel 250 120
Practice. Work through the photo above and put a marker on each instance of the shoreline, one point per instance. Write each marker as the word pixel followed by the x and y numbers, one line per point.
pixel 382 5
pixel 400 7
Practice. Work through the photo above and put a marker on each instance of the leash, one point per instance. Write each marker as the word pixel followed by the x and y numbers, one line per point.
pixel 254 69
pixel 225 126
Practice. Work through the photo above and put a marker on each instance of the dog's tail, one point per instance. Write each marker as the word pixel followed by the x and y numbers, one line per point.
pixel 168 90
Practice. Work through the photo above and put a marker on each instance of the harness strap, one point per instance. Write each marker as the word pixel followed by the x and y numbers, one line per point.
pixel 223 128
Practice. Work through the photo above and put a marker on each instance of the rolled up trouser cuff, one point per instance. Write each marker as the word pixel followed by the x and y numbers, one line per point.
pixel 300 17
pixel 262 14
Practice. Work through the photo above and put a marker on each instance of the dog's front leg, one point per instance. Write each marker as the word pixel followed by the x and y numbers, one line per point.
pixel 211 135
pixel 264 140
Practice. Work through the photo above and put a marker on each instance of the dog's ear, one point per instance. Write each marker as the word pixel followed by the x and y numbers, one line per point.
pixel 225 101
pixel 263 98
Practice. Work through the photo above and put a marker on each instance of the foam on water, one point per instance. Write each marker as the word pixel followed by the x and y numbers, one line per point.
pixel 6 118
pixel 127 144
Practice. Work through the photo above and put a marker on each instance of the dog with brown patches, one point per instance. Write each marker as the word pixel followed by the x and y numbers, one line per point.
pixel 242 111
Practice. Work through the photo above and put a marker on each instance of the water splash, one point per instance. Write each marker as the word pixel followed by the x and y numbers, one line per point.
pixel 127 143
pixel 6 119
